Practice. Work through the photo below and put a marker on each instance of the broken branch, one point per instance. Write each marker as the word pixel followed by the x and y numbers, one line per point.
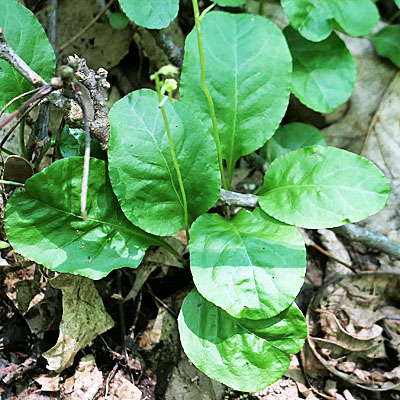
pixel 99 126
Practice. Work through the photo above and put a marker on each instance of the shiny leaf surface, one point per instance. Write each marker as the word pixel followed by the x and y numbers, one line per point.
pixel 387 43
pixel 324 73
pixel 141 167
pixel 323 187
pixel 315 18
pixel 291 137
pixel 251 266
pixel 26 36
pixel 246 355
pixel 44 222
pixel 248 69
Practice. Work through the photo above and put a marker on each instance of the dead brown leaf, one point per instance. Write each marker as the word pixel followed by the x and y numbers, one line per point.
pixel 120 388
pixel 49 383
pixel 84 318
pixel 344 332
pixel 85 383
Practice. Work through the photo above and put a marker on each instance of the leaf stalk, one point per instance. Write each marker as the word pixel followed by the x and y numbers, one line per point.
pixel 11 183
pixel 173 155
pixel 22 138
pixel 261 7
pixel 207 92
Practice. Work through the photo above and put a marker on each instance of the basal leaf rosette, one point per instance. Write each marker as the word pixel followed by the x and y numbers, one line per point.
pixel 44 222
pixel 251 266
pixel 141 167
pixel 247 355
pixel 323 187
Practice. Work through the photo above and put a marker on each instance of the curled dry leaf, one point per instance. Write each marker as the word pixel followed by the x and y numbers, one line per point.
pixel 186 378
pixel 49 383
pixel 84 317
pixel 102 45
pixel 86 381
pixel 296 374
pixel 349 319
pixel 121 388
pixel 382 146
pixel 373 78
pixel 284 388
pixel 17 169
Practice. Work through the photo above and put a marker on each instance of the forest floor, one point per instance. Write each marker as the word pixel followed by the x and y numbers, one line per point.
pixel 351 294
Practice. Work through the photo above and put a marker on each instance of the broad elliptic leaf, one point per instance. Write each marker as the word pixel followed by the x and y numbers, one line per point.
pixel 229 3
pixel 387 43
pixel 251 266
pixel 141 168
pixel 324 73
pixel 397 2
pixel 152 14
pixel 248 69
pixel 44 222
pixel 291 137
pixel 314 19
pixel 323 187
pixel 247 355
pixel 26 36
pixel 118 20
pixel 72 143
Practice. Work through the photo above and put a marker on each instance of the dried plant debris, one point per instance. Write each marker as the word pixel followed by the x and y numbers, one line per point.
pixel 354 326
pixel 86 381
pixel 374 75
pixel 188 383
pixel 84 317
pixel 121 388
pixel 101 45
pixel 17 169
pixel 49 383
pixel 336 248
pixel 382 146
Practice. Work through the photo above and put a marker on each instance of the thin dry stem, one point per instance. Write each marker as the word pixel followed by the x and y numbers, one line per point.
pixel 350 231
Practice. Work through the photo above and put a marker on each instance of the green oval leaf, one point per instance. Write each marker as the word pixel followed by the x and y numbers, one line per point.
pixel 246 355
pixel 72 144
pixel 323 187
pixel 319 81
pixel 44 222
pixel 291 137
pixel 141 167
pixel 26 36
pixel 315 19
pixel 230 3
pixel 118 20
pixel 152 14
pixel 387 43
pixel 248 68
pixel 251 266
pixel 397 3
